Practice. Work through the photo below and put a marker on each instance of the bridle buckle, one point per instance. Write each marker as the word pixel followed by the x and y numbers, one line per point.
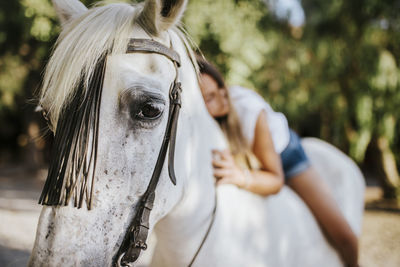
pixel 140 244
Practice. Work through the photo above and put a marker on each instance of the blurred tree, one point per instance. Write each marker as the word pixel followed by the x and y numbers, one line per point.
pixel 337 77
pixel 25 29
pixel 28 30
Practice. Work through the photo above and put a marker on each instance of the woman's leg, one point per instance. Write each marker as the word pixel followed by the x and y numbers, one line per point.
pixel 318 197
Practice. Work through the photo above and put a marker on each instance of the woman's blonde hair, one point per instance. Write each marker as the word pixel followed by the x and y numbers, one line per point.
pixel 229 124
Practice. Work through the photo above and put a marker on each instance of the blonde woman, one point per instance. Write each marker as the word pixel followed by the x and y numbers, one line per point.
pixel 254 129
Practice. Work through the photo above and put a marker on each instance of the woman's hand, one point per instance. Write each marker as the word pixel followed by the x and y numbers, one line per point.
pixel 226 171
pixel 265 181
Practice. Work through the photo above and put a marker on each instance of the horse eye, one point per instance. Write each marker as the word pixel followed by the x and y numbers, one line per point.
pixel 148 111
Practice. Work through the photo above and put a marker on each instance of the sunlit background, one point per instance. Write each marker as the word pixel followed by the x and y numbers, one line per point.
pixel 332 67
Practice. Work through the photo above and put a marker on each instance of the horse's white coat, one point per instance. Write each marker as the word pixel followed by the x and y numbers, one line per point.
pixel 248 231
pixel 254 231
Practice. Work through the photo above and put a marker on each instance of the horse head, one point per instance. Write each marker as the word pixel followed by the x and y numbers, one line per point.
pixel 110 90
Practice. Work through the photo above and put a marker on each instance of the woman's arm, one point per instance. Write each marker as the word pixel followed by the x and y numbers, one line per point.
pixel 266 181
pixel 270 178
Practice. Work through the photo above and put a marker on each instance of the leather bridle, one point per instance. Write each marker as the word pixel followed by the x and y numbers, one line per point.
pixel 135 238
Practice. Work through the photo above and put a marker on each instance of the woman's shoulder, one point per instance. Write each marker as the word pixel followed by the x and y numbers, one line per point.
pixel 239 92
pixel 248 105
pixel 244 98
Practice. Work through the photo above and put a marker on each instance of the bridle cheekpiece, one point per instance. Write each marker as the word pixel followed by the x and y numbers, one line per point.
pixel 135 238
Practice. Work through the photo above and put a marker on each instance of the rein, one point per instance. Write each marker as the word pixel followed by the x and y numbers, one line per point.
pixel 208 231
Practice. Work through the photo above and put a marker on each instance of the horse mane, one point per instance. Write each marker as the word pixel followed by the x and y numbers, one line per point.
pixel 71 96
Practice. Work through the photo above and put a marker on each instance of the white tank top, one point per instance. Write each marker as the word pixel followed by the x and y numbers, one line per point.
pixel 248 105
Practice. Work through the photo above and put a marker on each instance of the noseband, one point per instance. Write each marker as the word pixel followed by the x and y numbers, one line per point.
pixel 136 236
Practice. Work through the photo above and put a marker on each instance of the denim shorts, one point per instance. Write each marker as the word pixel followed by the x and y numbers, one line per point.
pixel 294 159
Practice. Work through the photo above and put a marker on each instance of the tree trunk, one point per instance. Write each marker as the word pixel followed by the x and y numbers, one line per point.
pixel 391 178
pixel 379 163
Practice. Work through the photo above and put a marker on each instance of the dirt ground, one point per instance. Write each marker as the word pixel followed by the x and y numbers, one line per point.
pixel 19 212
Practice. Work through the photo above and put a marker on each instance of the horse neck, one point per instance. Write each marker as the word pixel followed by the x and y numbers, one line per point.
pixel 180 233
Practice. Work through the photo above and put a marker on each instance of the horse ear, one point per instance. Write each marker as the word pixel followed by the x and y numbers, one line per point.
pixel 160 15
pixel 67 9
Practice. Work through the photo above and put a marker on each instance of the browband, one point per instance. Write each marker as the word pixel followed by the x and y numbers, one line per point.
pixel 151 46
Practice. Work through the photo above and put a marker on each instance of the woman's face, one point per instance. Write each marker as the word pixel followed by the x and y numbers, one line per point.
pixel 216 98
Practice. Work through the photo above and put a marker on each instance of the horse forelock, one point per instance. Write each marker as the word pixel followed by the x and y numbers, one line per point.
pixel 82 42
pixel 71 95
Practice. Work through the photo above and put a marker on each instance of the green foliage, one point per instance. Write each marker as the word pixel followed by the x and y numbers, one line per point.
pixel 28 29
pixel 338 77
pixel 231 38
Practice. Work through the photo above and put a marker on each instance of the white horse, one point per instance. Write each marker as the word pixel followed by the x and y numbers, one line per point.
pixel 248 230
